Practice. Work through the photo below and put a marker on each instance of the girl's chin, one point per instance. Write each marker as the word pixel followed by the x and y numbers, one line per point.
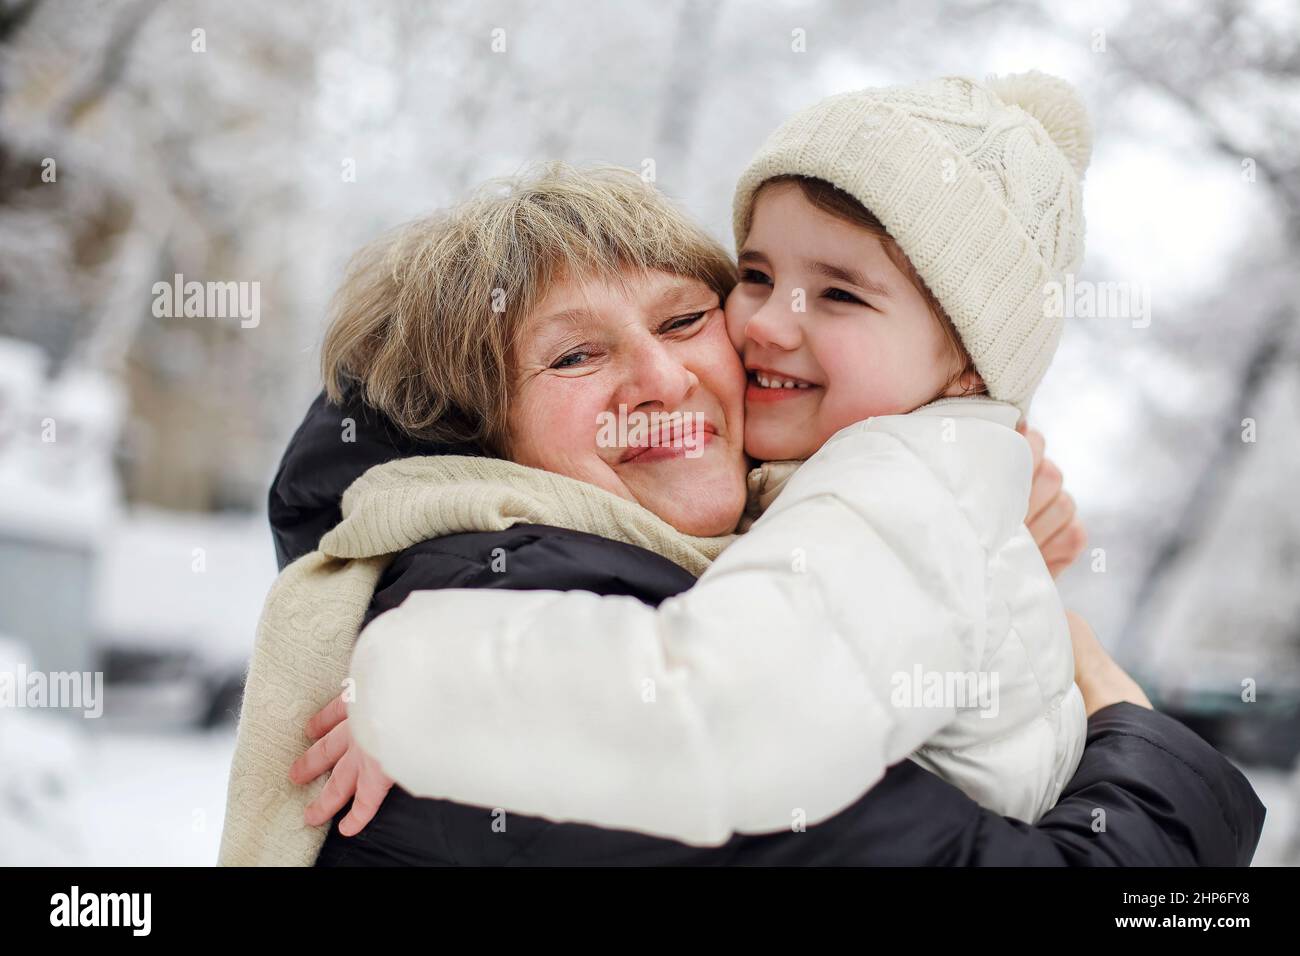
pixel 766 447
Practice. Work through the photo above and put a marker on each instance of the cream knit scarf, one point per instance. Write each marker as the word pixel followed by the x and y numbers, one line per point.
pixel 314 611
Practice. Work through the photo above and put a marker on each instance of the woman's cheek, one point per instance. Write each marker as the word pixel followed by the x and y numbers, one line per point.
pixel 718 357
pixel 574 414
pixel 552 423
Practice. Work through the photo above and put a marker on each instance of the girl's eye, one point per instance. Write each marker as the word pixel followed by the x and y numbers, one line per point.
pixel 753 275
pixel 682 321
pixel 839 295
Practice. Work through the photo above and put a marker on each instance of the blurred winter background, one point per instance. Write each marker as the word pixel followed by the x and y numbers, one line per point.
pixel 264 142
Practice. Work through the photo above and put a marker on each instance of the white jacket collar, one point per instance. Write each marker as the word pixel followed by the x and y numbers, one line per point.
pixel 975 406
pixel 990 477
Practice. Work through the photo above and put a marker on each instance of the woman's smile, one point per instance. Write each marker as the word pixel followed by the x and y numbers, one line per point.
pixel 685 439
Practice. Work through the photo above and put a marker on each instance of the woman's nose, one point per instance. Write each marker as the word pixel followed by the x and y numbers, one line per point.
pixel 657 375
pixel 775 325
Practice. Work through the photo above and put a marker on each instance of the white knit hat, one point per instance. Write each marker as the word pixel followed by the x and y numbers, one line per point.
pixel 979 184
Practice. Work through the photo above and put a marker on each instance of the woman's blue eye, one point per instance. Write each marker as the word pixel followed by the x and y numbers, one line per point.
pixel 564 362
pixel 839 295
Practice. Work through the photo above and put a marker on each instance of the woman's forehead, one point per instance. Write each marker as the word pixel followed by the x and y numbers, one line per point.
pixel 593 296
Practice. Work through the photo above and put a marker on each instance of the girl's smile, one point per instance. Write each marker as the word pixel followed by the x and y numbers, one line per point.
pixel 768 385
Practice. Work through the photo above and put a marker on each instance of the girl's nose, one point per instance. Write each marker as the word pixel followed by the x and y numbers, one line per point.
pixel 776 325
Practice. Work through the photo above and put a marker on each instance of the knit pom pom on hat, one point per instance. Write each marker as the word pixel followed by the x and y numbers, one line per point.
pixel 1056 106
pixel 978 183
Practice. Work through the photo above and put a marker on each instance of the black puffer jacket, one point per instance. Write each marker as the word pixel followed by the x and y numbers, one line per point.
pixel 1169 798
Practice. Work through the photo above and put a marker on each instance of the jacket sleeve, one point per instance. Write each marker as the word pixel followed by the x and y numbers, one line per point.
pixel 1148 792
pixel 758 698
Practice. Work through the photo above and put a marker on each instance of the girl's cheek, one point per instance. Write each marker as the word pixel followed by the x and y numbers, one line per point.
pixel 736 321
pixel 856 381
pixel 729 346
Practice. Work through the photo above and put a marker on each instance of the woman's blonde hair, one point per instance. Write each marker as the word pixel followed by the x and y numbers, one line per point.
pixel 427 318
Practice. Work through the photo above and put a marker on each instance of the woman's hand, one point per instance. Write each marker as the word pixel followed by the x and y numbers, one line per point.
pixel 356 775
pixel 1052 518
pixel 1100 679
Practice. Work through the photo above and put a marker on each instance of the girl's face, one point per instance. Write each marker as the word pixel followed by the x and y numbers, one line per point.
pixel 830 331
pixel 651 350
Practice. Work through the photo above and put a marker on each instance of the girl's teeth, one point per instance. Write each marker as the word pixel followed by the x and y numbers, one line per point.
pixel 767 382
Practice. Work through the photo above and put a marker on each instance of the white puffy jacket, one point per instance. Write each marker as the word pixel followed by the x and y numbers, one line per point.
pixel 780 687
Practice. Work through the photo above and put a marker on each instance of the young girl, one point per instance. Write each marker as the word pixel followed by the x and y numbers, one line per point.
pixel 894 246
pixel 847 221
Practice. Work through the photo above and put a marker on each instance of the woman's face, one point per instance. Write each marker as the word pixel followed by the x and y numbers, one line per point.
pixel 634 387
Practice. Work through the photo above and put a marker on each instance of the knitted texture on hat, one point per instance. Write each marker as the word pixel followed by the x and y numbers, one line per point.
pixel 979 184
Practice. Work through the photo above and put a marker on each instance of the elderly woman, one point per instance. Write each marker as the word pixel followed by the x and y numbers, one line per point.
pixel 471 362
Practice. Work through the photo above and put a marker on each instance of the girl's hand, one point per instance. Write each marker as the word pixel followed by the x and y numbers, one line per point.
pixel 356 775
pixel 1052 517
pixel 1100 679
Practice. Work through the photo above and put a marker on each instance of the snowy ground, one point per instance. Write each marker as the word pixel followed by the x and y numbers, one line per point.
pixel 154 799
pixel 115 798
